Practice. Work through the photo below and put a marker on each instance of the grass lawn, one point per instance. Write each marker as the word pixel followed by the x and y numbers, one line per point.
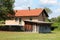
pixel 28 36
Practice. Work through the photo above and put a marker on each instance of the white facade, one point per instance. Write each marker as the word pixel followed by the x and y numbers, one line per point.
pixel 14 22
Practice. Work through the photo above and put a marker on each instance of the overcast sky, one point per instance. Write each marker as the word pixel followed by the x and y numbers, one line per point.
pixel 54 5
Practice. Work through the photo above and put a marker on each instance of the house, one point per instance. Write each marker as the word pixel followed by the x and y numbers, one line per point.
pixel 31 20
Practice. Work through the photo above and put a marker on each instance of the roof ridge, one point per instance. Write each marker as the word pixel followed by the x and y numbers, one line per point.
pixel 32 9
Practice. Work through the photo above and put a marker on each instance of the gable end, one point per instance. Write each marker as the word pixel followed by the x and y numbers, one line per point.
pixel 45 13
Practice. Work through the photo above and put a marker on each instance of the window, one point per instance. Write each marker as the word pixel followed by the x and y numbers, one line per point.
pixel 20 20
pixel 30 18
pixel 16 19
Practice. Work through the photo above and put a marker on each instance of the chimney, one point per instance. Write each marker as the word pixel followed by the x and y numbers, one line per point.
pixel 29 8
pixel 36 8
pixel 16 10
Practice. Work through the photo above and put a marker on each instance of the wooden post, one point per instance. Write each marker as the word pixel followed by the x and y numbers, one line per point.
pixel 34 28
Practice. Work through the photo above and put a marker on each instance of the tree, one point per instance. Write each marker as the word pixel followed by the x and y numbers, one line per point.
pixel 53 19
pixel 6 8
pixel 48 10
pixel 56 22
pixel 58 19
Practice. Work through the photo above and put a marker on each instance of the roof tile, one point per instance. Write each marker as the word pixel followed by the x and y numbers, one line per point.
pixel 34 12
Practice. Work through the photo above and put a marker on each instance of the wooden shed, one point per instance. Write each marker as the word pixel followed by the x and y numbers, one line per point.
pixel 37 26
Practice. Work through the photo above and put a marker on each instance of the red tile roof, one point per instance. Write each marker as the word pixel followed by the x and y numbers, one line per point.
pixel 34 12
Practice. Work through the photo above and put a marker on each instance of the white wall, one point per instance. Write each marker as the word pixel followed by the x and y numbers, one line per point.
pixel 11 22
pixel 14 22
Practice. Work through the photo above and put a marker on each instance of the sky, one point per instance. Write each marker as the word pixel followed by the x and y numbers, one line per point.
pixel 54 5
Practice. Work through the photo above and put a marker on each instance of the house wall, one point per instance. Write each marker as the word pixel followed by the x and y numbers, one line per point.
pixel 14 22
pixel 28 18
pixel 11 22
pixel 42 17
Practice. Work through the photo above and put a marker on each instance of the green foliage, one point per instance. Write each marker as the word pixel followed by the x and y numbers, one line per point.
pixel 2 22
pixel 9 5
pixel 57 19
pixel 6 8
pixel 56 22
pixel 47 20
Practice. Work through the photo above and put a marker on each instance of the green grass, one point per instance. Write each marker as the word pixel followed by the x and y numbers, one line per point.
pixel 29 36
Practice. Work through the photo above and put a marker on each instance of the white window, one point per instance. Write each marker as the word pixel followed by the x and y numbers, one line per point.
pixel 16 19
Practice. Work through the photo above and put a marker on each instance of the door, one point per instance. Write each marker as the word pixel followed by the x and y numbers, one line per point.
pixel 44 29
pixel 28 27
pixel 40 29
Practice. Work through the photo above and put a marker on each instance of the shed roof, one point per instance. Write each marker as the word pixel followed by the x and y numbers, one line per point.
pixel 38 22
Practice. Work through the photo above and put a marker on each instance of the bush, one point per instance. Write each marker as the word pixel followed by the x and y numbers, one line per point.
pixel 2 22
pixel 56 25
